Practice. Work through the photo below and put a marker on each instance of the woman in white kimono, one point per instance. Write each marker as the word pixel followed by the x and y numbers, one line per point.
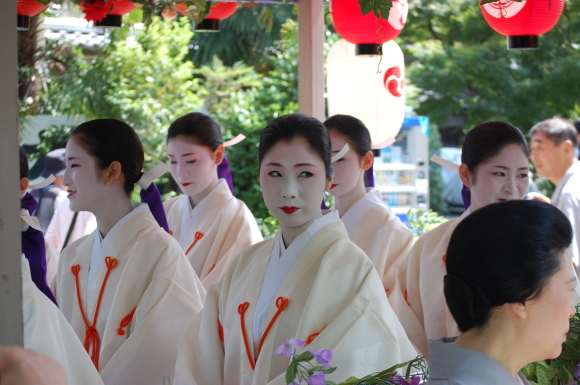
pixel 495 168
pixel 210 224
pixel 310 282
pixel 370 225
pixel 510 287
pixel 127 289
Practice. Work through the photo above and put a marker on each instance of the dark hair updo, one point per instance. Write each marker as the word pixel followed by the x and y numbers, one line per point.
pixel 24 168
pixel 110 140
pixel 487 139
pixel 502 253
pixel 353 129
pixel 287 127
pixel 200 127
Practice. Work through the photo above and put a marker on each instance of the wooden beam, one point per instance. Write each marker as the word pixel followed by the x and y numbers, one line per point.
pixel 311 58
pixel 10 279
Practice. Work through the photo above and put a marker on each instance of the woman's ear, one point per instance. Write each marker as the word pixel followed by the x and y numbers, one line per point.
pixel 518 309
pixel 465 175
pixel 112 173
pixel 367 160
pixel 23 186
pixel 219 154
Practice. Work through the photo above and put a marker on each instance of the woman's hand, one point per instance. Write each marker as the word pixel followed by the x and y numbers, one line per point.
pixel 20 366
pixel 539 197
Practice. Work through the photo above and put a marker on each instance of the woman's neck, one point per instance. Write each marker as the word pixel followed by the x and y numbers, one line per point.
pixel 344 202
pixel 194 200
pixel 502 344
pixel 289 234
pixel 116 207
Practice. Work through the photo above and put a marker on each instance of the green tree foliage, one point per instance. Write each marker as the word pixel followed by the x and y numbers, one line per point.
pixel 244 102
pixel 463 67
pixel 142 78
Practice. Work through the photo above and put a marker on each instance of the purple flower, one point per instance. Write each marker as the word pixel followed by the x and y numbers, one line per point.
pixel 322 356
pixel 317 379
pixel 288 347
pixel 397 380
pixel 295 382
pixel 577 371
pixel 415 380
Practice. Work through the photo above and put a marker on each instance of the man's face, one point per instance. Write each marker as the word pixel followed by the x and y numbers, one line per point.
pixel 546 155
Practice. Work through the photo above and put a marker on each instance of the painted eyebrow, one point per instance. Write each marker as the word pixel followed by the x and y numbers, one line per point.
pixel 73 158
pixel 295 166
pixel 507 168
pixel 173 156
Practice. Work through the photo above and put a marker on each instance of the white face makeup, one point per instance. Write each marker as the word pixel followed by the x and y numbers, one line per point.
pixel 293 180
pixel 501 178
pixel 557 300
pixel 192 166
pixel 348 170
pixel 84 187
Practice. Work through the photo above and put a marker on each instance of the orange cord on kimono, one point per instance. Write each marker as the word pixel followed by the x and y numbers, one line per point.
pixel 311 338
pixel 91 334
pixel 281 304
pixel 125 322
pixel 241 310
pixel 220 331
pixel 406 296
pixel 197 237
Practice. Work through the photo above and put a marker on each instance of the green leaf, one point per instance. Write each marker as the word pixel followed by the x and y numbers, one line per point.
pixel 304 356
pixel 291 372
pixel 380 8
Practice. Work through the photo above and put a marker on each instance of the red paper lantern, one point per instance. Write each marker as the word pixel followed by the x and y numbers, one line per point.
pixel 26 9
pixel 217 12
pixel 522 22
pixel 367 31
pixel 108 14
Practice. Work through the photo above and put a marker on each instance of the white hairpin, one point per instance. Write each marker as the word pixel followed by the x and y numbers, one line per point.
pixel 445 163
pixel 340 154
pixel 30 221
pixel 149 176
pixel 44 183
pixel 234 141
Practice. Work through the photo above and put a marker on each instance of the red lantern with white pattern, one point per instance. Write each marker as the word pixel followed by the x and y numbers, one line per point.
pixel 217 12
pixel 367 31
pixel 25 9
pixel 522 22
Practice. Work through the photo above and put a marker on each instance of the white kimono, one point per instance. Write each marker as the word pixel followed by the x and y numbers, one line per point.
pixel 48 332
pixel 150 297
pixel 212 233
pixel 421 305
pixel 381 235
pixel 331 297
pixel 52 257
pixel 61 221
pixel 566 197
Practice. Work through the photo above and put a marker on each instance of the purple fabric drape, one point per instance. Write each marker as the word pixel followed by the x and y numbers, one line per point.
pixel 369 177
pixel 225 172
pixel 466 196
pixel 152 197
pixel 34 249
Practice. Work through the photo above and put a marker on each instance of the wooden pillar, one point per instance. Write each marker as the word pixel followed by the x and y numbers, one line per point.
pixel 311 57
pixel 10 279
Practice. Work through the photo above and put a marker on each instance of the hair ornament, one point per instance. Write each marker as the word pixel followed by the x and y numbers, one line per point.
pixel 340 154
pixel 149 176
pixel 445 163
pixel 234 141
pixel 30 221
pixel 43 184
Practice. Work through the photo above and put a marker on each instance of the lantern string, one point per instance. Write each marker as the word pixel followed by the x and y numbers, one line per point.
pixel 380 46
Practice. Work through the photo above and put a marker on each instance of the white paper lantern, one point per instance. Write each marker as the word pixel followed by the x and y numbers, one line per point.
pixel 355 88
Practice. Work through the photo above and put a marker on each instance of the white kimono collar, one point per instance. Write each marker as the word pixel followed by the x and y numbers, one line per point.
pixel 281 262
pixel 101 245
pixel 190 215
pixel 371 198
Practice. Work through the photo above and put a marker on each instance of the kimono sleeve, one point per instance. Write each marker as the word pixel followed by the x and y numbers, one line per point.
pixel 409 307
pixel 200 358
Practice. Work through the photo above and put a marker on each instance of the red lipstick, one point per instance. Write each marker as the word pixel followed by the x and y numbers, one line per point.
pixel 333 186
pixel 70 193
pixel 186 184
pixel 502 200
pixel 289 210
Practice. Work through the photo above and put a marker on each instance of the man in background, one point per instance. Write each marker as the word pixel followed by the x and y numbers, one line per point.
pixel 553 152
pixel 51 196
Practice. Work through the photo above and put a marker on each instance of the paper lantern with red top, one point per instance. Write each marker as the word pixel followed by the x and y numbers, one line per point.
pixel 108 14
pixel 217 12
pixel 25 9
pixel 522 22
pixel 367 31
